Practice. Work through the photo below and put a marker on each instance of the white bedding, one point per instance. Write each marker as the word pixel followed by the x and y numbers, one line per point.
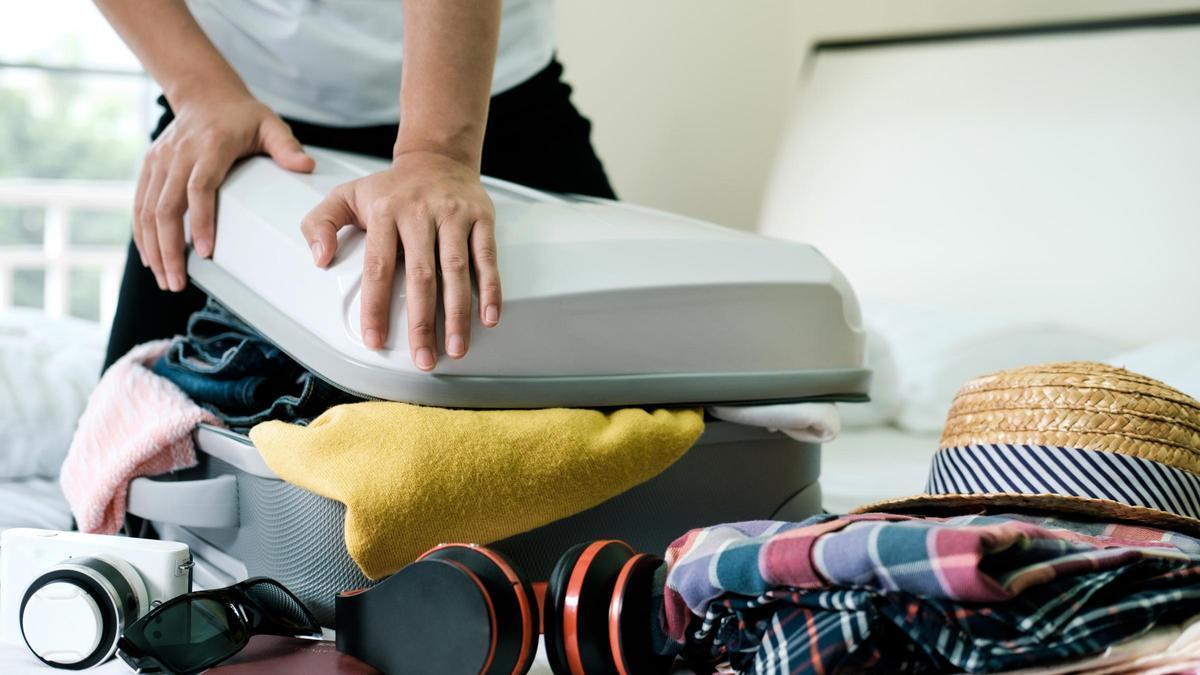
pixel 922 356
pixel 33 502
pixel 866 465
pixel 48 367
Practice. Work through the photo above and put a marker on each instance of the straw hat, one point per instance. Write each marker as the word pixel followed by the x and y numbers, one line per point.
pixel 1079 438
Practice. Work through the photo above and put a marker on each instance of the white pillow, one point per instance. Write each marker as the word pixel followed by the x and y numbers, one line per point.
pixel 886 402
pixel 935 351
pixel 47 369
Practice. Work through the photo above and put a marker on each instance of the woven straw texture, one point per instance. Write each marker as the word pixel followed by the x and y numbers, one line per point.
pixel 1083 405
pixel 1090 406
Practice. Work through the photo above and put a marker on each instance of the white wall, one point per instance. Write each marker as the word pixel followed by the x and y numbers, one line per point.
pixel 690 98
pixel 687 97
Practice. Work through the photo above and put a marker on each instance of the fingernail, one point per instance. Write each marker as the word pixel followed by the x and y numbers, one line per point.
pixel 373 339
pixel 425 358
pixel 456 346
pixel 175 282
pixel 317 250
pixel 491 315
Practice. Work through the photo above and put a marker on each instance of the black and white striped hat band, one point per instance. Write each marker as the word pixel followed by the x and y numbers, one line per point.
pixel 1040 469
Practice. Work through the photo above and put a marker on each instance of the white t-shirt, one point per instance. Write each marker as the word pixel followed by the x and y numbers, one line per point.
pixel 337 62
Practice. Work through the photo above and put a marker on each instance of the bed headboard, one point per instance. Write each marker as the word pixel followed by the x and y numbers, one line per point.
pixel 1050 173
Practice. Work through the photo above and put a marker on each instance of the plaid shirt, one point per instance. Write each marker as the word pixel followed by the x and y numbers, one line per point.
pixel 900 594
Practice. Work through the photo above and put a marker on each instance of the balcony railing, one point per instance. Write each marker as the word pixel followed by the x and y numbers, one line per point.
pixel 57 256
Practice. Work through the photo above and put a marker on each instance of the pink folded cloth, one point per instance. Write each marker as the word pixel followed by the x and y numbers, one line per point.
pixel 135 424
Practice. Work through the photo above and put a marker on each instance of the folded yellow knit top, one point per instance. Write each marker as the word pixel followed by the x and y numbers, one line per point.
pixel 413 476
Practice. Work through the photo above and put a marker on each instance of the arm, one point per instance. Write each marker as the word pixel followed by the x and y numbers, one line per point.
pixel 430 202
pixel 216 122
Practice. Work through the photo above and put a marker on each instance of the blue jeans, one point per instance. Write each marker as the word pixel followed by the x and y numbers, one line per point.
pixel 229 369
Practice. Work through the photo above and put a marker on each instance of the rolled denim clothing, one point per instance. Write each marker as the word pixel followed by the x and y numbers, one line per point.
pixel 232 371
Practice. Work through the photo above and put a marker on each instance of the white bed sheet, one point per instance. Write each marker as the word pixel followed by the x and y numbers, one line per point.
pixel 33 502
pixel 866 465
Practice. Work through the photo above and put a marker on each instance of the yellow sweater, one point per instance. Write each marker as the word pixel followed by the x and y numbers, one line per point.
pixel 412 476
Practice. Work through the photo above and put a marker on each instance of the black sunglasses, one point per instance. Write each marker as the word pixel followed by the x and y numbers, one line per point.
pixel 198 630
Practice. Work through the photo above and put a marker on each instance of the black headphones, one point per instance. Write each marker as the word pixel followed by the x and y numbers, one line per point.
pixel 462 608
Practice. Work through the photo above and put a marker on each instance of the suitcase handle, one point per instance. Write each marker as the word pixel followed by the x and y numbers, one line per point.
pixel 211 502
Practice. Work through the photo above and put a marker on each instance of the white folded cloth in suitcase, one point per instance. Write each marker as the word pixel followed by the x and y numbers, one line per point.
pixel 805 422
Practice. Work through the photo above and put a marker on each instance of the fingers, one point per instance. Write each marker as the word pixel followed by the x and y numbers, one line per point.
pixel 379 270
pixel 278 142
pixel 172 202
pixel 420 291
pixel 320 226
pixel 139 197
pixel 456 287
pixel 148 224
pixel 487 271
pixel 171 183
pixel 202 185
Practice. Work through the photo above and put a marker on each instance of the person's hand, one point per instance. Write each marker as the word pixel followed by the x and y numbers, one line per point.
pixel 436 209
pixel 184 167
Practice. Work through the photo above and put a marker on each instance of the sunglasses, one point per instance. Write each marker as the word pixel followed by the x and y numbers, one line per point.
pixel 198 630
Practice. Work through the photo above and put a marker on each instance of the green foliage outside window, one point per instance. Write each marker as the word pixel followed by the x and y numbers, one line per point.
pixel 67 127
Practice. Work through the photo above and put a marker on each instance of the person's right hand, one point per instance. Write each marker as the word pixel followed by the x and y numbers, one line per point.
pixel 184 167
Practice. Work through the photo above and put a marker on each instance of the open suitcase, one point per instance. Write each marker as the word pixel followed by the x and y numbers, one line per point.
pixel 606 305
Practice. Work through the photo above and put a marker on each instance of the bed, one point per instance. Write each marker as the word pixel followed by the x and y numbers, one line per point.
pixel 47 368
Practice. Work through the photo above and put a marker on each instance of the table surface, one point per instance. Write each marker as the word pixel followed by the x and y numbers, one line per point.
pixel 16 660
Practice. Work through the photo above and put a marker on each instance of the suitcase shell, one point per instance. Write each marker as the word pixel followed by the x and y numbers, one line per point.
pixel 605 304
pixel 242 520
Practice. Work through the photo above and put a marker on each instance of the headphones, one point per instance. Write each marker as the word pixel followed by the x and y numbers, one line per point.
pixel 462 608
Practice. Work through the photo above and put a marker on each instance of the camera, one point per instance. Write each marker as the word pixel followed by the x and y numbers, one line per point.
pixel 68 596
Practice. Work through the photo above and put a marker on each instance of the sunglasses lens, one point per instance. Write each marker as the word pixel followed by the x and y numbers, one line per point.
pixel 190 634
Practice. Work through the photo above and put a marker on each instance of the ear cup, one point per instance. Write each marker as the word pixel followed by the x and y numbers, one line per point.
pixel 512 599
pixel 577 606
pixel 432 617
pixel 630 613
pixel 552 611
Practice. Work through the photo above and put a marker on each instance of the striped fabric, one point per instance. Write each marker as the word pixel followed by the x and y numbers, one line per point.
pixel 1040 469
pixel 890 593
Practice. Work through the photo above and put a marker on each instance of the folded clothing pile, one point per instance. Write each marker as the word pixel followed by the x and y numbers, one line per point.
pixel 1166 650
pixel 233 372
pixel 980 573
pixel 891 593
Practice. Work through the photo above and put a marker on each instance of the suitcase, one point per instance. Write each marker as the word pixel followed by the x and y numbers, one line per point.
pixel 605 305
pixel 242 520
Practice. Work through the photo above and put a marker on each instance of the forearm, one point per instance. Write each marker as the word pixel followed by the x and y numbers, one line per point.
pixel 449 55
pixel 173 48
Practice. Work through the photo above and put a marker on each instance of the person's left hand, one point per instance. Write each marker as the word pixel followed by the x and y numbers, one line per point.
pixel 435 207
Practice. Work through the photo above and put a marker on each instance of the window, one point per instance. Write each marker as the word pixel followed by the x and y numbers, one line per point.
pixel 75 111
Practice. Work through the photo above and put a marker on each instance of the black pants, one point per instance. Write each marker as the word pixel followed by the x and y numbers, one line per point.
pixel 534 137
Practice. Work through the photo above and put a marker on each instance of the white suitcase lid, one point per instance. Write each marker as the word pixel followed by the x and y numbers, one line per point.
pixel 605 304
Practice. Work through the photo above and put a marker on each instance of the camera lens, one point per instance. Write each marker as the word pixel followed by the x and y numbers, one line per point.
pixel 73 614
pixel 62 623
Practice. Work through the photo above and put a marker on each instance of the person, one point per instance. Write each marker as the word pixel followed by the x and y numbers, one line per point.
pixel 481 92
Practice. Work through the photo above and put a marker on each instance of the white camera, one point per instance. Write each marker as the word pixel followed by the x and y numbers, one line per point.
pixel 68 596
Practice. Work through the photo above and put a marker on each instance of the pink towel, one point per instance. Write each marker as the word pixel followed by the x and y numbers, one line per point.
pixel 135 424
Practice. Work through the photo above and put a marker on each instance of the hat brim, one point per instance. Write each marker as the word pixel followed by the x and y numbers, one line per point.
pixel 1087 507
